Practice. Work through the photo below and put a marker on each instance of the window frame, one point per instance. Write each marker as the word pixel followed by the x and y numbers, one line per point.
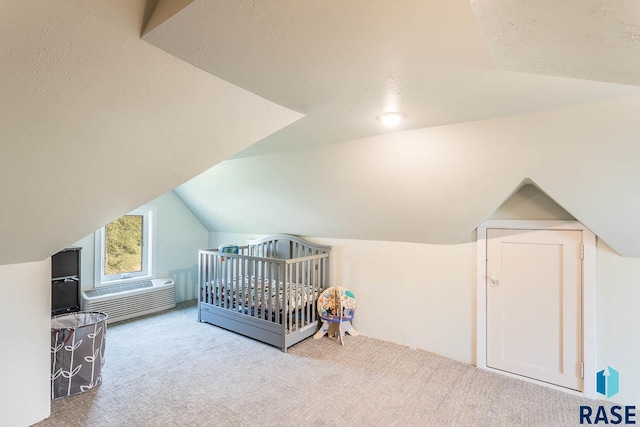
pixel 148 214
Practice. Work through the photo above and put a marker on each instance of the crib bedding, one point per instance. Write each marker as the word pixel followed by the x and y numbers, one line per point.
pixel 253 293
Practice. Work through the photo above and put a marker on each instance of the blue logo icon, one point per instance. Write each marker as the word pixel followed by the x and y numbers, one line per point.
pixel 608 382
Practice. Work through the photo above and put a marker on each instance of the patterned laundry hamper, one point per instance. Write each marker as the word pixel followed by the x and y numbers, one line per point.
pixel 77 352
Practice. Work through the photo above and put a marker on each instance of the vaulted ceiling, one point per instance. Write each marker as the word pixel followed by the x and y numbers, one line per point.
pixel 441 62
pixel 106 105
pixel 496 93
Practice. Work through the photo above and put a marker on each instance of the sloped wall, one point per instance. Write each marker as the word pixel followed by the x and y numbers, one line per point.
pixel 528 202
pixel 96 121
pixel 436 185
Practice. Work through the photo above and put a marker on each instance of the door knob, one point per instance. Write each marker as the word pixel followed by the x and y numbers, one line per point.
pixel 494 280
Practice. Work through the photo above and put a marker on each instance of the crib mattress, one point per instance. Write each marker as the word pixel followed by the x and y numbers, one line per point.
pixel 253 293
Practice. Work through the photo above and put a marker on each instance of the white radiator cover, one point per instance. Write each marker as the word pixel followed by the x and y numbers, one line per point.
pixel 129 300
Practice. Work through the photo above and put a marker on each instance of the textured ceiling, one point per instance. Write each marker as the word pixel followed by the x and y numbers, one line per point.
pixel 582 39
pixel 343 63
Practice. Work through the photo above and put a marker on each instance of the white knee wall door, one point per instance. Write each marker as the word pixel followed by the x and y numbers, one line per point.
pixel 534 304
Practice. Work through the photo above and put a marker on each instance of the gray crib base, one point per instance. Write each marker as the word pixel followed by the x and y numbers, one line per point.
pixel 252 327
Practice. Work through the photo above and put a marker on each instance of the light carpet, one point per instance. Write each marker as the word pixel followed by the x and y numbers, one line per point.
pixel 169 370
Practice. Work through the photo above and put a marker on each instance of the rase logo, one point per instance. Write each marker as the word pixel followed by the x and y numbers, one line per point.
pixel 608 384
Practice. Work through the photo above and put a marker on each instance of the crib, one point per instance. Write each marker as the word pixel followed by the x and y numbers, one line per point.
pixel 266 290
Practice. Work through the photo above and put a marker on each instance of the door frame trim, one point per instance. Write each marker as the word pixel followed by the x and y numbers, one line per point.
pixel 589 279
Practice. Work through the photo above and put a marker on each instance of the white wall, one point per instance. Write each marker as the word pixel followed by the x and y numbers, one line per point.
pixel 429 291
pixel 424 295
pixel 179 236
pixel 618 324
pixel 25 391
pixel 618 295
pixel 418 295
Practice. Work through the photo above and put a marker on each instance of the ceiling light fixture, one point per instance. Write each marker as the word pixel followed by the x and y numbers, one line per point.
pixel 391 119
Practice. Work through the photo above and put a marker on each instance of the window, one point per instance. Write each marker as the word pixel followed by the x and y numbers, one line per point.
pixel 125 248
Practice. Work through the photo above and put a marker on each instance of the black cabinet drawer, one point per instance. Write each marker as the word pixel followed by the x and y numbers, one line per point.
pixel 65 296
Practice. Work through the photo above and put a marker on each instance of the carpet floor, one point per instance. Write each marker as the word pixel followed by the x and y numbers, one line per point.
pixel 169 370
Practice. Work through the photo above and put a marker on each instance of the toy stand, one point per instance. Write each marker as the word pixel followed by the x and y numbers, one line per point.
pixel 336 307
